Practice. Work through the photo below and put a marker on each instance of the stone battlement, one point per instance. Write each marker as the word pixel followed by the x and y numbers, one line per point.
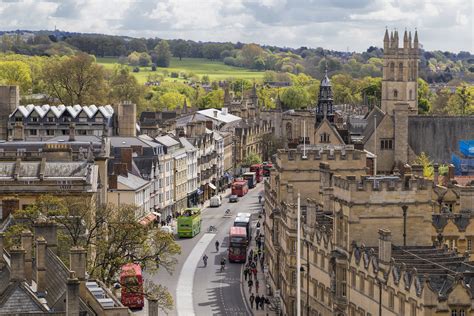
pixel 386 183
pixel 317 152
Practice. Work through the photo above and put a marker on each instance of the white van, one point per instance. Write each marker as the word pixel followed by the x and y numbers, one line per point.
pixel 215 201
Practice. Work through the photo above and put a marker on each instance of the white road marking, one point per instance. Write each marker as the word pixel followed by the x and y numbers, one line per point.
pixel 184 290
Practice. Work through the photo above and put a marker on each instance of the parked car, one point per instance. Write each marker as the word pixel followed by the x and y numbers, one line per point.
pixel 215 201
pixel 233 198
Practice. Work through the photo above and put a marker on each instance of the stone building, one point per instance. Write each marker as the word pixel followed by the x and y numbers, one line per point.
pixel 34 280
pixel 9 101
pixel 348 269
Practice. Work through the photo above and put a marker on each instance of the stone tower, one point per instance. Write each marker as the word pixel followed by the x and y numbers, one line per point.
pixel 126 118
pixel 325 108
pixel 9 101
pixel 400 72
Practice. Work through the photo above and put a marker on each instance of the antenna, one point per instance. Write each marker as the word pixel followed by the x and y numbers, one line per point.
pixel 375 150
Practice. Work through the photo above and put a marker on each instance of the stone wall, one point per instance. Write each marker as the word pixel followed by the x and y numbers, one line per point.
pixel 438 136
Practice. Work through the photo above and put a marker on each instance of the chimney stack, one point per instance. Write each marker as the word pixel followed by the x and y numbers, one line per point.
pixel 215 113
pixel 451 171
pixel 78 261
pixel 152 306
pixel 72 295
pixel 49 231
pixel 40 257
pixel 126 155
pixel 435 174
pixel 17 263
pixel 385 246
pixel 27 244
pixel 72 132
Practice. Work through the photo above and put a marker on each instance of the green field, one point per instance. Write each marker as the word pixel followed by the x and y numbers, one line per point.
pixel 216 70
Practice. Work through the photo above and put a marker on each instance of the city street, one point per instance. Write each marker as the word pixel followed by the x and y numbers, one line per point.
pixel 203 290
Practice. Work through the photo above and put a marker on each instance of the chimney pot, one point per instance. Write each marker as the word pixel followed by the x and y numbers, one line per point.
pixel 40 255
pixel 385 245
pixel 72 295
pixel 17 263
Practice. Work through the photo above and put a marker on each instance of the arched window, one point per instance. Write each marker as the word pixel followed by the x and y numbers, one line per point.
pixel 324 138
pixel 411 94
pixel 395 93
pixel 400 72
pixel 289 131
pixel 392 71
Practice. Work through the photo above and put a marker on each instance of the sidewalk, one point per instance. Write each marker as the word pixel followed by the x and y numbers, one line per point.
pixel 262 285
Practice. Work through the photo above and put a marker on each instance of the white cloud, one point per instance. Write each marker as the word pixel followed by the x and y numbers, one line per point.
pixel 334 24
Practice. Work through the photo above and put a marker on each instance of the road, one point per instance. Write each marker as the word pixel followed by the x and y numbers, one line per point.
pixel 203 290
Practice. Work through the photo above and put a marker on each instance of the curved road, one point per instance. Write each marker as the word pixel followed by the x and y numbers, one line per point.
pixel 199 290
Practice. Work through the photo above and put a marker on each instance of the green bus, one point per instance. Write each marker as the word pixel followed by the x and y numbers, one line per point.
pixel 189 223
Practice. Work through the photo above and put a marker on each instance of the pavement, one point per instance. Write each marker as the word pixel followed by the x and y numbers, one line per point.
pixel 199 290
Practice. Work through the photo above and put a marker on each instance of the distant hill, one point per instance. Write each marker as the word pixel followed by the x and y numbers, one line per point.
pixel 435 66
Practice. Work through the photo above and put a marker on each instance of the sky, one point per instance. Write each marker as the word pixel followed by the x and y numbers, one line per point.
pixel 352 25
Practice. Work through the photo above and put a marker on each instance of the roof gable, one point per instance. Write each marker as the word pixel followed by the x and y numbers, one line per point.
pixel 326 127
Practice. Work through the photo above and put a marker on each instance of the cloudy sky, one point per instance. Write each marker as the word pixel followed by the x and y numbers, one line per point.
pixel 333 24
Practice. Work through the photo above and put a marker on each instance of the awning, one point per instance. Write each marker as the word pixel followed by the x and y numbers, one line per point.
pixel 148 219
pixel 212 186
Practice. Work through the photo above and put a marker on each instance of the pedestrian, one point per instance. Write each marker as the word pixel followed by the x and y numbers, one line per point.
pixel 250 283
pixel 256 286
pixel 262 302
pixel 257 301
pixel 255 257
pixel 261 262
pixel 246 272
pixel 267 301
pixel 251 253
pixel 259 253
pixel 252 298
pixel 259 243
pixel 254 273
pixel 258 224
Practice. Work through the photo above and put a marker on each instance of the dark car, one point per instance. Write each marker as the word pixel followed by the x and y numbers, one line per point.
pixel 233 198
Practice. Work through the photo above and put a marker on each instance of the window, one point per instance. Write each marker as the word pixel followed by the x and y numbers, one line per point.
pixel 51 119
pixel 33 132
pixel 461 312
pixel 386 144
pixel 400 71
pixel 293 277
pixel 413 309
pixel 362 283
pixel 34 119
pixel 293 246
pixel 324 138
pixel 50 132
pixel 411 94
pixel 392 70
pixel 323 262
pixel 18 119
pixel 289 131
pixel 454 312
pixel 65 132
pixel 81 132
pixel 391 299
pixel 402 306
pixel 321 293
pixel 395 93
pixel 371 288
pixel 353 278
pixel 469 244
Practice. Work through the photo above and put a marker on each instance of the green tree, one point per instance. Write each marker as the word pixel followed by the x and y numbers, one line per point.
pixel 16 73
pixel 144 59
pixel 75 80
pixel 213 99
pixel 462 101
pixel 251 159
pixel 427 164
pixel 171 100
pixel 249 53
pixel 345 89
pixel 295 97
pixel 424 97
pixel 134 59
pixel 181 49
pixel 124 86
pixel 163 54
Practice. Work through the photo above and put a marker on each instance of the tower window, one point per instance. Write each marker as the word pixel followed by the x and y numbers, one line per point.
pixel 400 72
pixel 395 94
pixel 392 70
pixel 386 144
pixel 324 138
pixel 411 94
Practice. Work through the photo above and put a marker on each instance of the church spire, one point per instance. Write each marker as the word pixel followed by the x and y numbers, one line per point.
pixel 415 41
pixel 324 109
pixel 405 39
pixel 386 41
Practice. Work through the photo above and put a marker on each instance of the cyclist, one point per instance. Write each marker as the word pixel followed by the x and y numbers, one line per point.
pixel 205 260
pixel 222 264
pixel 217 245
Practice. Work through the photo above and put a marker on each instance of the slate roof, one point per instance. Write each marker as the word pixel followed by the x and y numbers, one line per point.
pixel 31 169
pixel 56 276
pixel 167 141
pixel 42 110
pixel 119 141
pixel 369 129
pixel 17 298
pixel 132 181
pixel 186 144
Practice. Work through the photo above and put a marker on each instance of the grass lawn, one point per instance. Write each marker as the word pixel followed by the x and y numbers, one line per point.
pixel 216 70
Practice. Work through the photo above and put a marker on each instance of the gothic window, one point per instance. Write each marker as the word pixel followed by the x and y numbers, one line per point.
pixel 400 72
pixel 289 134
pixel 324 138
pixel 411 94
pixel 392 71
pixel 395 93
pixel 386 144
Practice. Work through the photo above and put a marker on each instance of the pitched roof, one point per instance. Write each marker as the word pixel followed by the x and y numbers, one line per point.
pixel 225 118
pixel 166 140
pixel 42 110
pixel 131 181
pixel 369 129
pixel 18 299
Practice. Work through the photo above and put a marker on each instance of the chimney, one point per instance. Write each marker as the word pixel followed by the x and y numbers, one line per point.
pixel 152 306
pixel 27 244
pixel 49 231
pixel 17 263
pixel 126 155
pixel 215 113
pixel 435 174
pixel 385 246
pixel 78 261
pixel 209 125
pixel 113 181
pixel 190 129
pixel 417 170
pixel 72 295
pixel 126 115
pixel 2 238
pixel 72 132
pixel 9 206
pixel 40 259
pixel 18 131
pixel 224 111
pixel 450 171
pixel 120 169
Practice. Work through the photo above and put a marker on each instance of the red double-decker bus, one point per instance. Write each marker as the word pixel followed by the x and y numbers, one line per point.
pixel 240 188
pixel 131 281
pixel 258 169
pixel 237 244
